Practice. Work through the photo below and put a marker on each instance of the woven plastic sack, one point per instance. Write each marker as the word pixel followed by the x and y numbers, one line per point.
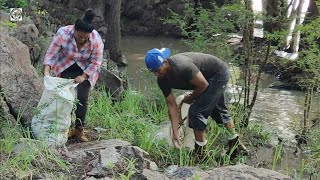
pixel 52 120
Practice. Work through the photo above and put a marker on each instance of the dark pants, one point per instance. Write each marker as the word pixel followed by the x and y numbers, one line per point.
pixel 83 90
pixel 212 103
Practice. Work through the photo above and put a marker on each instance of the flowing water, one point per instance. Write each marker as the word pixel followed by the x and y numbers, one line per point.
pixel 279 110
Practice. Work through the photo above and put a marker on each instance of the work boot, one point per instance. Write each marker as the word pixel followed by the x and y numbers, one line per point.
pixel 199 153
pixel 71 132
pixel 79 133
pixel 235 148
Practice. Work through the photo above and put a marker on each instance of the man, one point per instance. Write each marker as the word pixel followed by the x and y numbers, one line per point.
pixel 207 76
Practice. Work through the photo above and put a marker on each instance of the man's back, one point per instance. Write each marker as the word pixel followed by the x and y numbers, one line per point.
pixel 185 66
pixel 209 65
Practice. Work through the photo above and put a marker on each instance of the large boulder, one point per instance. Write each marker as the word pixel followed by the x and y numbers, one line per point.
pixel 239 171
pixel 109 158
pixel 111 80
pixel 242 171
pixel 19 82
pixel 5 112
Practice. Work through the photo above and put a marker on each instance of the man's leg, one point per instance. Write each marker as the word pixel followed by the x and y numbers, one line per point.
pixel 200 135
pixel 222 116
pixel 202 107
pixel 231 129
pixel 200 144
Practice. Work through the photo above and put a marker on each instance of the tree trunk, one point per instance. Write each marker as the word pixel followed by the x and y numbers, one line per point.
pixel 248 46
pixel 113 38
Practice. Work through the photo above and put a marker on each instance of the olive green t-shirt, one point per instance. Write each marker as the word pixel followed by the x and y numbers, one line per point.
pixel 185 66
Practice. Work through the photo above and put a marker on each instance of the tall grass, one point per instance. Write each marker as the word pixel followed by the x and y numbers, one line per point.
pixel 137 119
pixel 21 157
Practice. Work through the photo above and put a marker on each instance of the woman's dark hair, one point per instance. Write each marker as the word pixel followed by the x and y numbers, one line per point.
pixel 84 24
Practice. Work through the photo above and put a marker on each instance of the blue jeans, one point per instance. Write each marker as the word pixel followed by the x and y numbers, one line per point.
pixel 212 103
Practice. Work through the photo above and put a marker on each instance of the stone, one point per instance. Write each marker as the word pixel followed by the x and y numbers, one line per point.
pixel 19 81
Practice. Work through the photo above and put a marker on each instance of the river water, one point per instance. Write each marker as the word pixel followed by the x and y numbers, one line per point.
pixel 279 110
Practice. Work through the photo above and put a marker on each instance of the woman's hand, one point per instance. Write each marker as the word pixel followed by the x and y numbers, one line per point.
pixel 46 70
pixel 80 79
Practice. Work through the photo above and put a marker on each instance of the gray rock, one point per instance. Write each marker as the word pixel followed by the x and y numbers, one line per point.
pixel 19 82
pixel 149 174
pixel 245 172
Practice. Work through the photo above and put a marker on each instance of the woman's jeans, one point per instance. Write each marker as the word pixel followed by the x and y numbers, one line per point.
pixel 83 90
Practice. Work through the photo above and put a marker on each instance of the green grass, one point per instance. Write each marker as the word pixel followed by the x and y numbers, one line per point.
pixel 22 156
pixel 135 119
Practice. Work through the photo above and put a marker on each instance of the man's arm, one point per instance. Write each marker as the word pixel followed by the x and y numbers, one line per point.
pixel 173 112
pixel 201 84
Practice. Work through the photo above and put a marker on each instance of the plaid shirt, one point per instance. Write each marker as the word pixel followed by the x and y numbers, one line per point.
pixel 63 52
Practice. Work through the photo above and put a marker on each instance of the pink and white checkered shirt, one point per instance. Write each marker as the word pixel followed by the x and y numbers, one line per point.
pixel 63 52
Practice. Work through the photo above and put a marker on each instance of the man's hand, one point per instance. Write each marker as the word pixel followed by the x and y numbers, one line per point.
pixel 80 79
pixel 174 116
pixel 188 99
pixel 175 139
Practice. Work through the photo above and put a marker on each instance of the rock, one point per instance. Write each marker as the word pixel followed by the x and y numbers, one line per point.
pixel 242 171
pixel 5 112
pixel 110 157
pixel 149 174
pixel 112 82
pixel 27 34
pixel 239 171
pixel 19 82
pixel 4 22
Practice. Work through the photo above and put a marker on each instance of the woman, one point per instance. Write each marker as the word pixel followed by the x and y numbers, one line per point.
pixel 76 52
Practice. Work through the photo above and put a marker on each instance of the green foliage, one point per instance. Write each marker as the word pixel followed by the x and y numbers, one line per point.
pixel 20 3
pixel 2 4
pixel 9 24
pixel 309 60
pixel 138 118
pixel 133 119
pixel 206 30
pixel 131 169
pixel 312 166
pixel 277 155
pixel 21 155
pixel 14 3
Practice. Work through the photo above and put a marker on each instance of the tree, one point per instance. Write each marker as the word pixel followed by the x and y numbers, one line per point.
pixel 113 38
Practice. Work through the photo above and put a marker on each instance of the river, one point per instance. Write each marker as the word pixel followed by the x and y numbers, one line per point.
pixel 279 110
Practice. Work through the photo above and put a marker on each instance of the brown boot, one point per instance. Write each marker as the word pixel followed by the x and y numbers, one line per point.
pixel 71 132
pixel 79 132
pixel 236 147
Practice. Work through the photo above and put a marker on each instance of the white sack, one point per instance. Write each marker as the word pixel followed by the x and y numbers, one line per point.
pixel 53 119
